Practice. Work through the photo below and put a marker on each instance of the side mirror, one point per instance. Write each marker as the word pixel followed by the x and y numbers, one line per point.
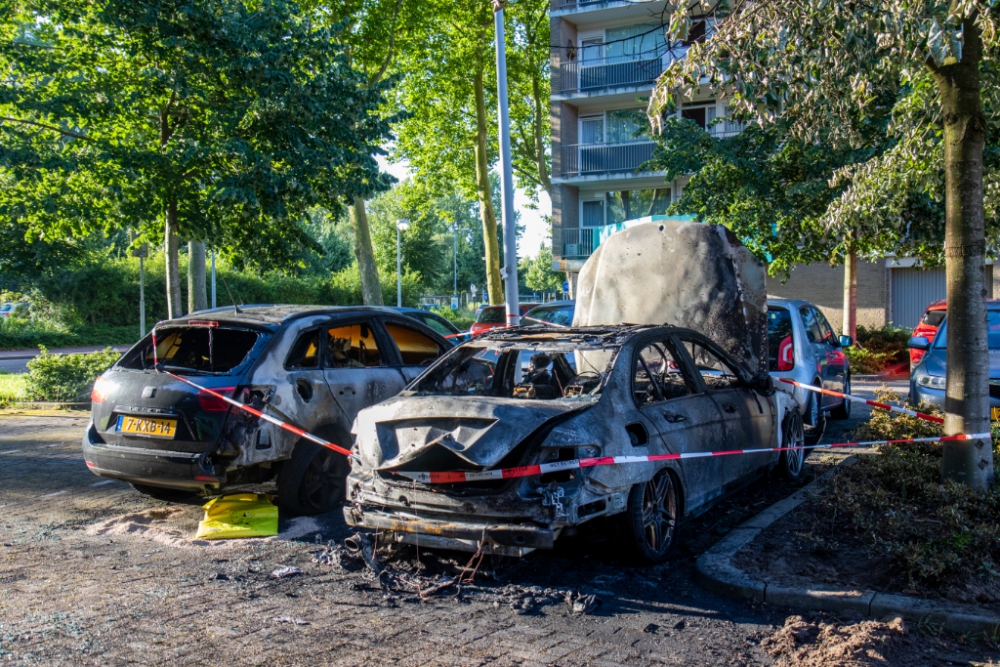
pixel 763 384
pixel 918 343
pixel 846 341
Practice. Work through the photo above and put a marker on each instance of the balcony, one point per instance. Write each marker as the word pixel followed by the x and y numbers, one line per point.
pixel 596 159
pixel 580 243
pixel 597 74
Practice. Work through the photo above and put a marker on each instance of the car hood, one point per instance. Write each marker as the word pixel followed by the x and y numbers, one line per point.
pixel 934 363
pixel 442 432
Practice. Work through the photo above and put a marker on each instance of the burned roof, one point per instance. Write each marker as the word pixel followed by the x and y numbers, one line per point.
pixel 594 335
pixel 274 314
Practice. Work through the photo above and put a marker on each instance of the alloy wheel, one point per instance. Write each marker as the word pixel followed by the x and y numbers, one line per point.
pixel 795 458
pixel 659 511
pixel 320 484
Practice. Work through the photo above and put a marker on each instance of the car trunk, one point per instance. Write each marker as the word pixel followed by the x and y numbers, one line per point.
pixel 149 409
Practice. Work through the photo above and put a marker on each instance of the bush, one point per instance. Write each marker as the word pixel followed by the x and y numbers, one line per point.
pixel 12 389
pixel 879 349
pixel 938 534
pixel 66 377
pixel 462 319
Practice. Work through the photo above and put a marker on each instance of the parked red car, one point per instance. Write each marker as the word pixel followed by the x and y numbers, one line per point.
pixel 928 326
pixel 492 317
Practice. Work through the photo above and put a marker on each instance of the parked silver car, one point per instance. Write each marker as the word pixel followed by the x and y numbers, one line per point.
pixel 630 391
pixel 803 347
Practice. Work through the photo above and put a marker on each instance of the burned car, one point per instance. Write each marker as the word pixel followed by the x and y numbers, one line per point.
pixel 315 367
pixel 528 396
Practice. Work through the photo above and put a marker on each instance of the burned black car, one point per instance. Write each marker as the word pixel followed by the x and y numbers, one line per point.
pixel 525 397
pixel 315 367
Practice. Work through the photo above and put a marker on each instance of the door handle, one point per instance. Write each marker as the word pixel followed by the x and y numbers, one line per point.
pixel 728 408
pixel 673 417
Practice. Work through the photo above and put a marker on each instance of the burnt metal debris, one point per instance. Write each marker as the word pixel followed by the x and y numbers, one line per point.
pixel 615 391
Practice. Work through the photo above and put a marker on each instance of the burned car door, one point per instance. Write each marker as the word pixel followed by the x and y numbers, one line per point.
pixel 746 415
pixel 684 418
pixel 416 349
pixel 357 365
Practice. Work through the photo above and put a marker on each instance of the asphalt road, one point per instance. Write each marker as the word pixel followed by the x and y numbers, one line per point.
pixel 16 361
pixel 94 573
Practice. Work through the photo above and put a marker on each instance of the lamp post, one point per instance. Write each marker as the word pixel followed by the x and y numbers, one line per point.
pixel 509 273
pixel 401 226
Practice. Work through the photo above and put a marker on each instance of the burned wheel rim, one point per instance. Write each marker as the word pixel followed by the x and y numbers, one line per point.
pixel 321 486
pixel 795 437
pixel 659 512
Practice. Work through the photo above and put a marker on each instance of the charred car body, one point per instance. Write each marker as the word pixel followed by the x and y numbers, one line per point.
pixel 313 367
pixel 530 395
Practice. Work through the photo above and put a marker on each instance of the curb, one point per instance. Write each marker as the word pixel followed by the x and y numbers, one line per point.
pixel 715 571
pixel 879 378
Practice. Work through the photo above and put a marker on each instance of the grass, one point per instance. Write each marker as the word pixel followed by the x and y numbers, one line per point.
pixel 25 335
pixel 12 388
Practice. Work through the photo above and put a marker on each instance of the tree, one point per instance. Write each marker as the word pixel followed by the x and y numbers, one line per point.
pixel 539 275
pixel 818 64
pixel 207 119
pixel 448 87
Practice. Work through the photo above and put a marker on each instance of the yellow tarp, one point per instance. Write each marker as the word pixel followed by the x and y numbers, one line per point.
pixel 238 515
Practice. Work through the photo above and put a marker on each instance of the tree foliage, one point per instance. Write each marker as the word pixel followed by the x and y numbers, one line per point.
pixel 243 116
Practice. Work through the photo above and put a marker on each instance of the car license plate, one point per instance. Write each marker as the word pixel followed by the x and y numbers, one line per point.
pixel 995 414
pixel 153 428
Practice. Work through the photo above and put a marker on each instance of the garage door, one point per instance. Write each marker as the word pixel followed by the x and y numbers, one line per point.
pixel 912 290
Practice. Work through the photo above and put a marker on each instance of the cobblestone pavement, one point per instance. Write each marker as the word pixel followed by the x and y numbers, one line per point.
pixel 93 573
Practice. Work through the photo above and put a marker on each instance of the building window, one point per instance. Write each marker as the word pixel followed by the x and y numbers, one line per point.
pixel 697 33
pixel 632 204
pixel 593 213
pixel 632 41
pixel 592 130
pixel 625 125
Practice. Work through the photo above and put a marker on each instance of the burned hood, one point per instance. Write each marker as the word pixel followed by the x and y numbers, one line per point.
pixel 686 274
pixel 438 432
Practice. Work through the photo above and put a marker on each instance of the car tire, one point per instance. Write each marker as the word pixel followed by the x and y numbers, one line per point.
pixel 163 493
pixel 313 480
pixel 792 461
pixel 648 527
pixel 843 411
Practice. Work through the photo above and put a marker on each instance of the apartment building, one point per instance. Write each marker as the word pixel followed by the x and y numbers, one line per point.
pixel 606 57
pixel 603 71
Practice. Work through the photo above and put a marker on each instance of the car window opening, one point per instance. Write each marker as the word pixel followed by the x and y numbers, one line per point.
pixel 352 346
pixel 197 349
pixel 522 371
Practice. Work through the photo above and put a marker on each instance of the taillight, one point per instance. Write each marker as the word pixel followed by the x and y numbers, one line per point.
pixel 102 389
pixel 210 403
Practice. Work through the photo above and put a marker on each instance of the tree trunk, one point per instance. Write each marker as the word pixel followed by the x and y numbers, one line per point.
pixel 371 288
pixel 539 125
pixel 849 326
pixel 494 285
pixel 967 386
pixel 197 299
pixel 175 307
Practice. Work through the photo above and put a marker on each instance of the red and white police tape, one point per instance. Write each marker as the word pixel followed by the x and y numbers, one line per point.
pixel 541 469
pixel 556 466
pixel 255 412
pixel 874 404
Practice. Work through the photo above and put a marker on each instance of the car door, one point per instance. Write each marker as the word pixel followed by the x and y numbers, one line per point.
pixel 747 417
pixel 836 361
pixel 415 350
pixel 358 365
pixel 681 415
pixel 305 393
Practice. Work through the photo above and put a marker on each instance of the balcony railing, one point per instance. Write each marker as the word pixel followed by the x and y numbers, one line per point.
pixel 602 73
pixel 568 4
pixel 579 243
pixel 588 159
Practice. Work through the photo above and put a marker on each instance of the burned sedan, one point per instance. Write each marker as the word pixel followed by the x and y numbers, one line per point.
pixel 518 398
pixel 315 367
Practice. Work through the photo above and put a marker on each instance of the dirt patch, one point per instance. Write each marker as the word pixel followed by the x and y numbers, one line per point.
pixel 820 641
pixel 175 526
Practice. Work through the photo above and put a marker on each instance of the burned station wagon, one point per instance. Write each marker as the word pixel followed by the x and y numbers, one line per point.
pixel 315 367
pixel 529 396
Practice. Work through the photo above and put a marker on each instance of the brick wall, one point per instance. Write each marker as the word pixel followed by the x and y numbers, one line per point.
pixel 565 214
pixel 823 285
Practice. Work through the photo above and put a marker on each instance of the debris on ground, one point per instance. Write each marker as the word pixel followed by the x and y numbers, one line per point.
pixel 286 571
pixel 289 619
pixel 400 578
pixel 823 642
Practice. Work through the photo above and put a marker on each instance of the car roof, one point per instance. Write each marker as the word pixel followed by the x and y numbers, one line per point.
pixel 276 314
pixel 556 304
pixel 614 333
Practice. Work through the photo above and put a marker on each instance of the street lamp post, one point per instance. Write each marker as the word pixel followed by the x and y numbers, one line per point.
pixel 454 255
pixel 506 174
pixel 401 226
